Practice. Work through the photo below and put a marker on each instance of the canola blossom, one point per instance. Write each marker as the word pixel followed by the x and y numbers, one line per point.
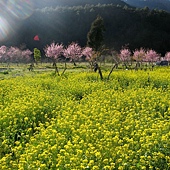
pixel 81 122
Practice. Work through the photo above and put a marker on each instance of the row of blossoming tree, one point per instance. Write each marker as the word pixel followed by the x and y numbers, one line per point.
pixel 14 55
pixel 74 52
pixel 141 56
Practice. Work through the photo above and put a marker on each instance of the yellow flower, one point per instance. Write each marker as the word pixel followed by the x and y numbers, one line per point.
pixel 98 155
pixel 42 166
pixel 95 168
pixel 105 161
pixel 17 142
pixel 120 168
pixel 26 119
pixel 91 162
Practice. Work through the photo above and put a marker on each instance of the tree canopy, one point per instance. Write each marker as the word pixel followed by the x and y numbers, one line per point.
pixel 95 35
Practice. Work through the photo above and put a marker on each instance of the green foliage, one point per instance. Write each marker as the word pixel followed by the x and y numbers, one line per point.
pixel 37 54
pixel 95 36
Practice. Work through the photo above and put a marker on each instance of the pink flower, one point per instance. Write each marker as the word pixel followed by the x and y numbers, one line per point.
pixel 139 55
pixel 87 52
pixel 73 51
pixel 54 51
pixel 125 55
pixel 167 56
pixel 152 56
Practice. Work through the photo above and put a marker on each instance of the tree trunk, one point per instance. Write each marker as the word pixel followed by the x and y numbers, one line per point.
pixel 100 73
pixel 64 69
pixel 115 66
pixel 56 69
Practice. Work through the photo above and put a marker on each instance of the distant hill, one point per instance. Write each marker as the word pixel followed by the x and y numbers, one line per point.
pixel 125 26
pixel 152 4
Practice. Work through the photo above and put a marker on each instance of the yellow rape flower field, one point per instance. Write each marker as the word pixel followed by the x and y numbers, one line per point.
pixel 78 122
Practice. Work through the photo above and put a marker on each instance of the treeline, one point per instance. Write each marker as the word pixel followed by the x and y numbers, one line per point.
pixel 53 3
pixel 152 4
pixel 124 26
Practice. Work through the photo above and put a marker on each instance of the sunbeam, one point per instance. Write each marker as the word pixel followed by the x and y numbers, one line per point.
pixel 12 13
pixel 21 9
pixel 4 28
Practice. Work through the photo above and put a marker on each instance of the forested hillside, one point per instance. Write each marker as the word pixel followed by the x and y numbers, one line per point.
pixel 124 25
pixel 152 4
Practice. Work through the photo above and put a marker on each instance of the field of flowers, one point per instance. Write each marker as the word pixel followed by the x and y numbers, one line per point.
pixel 79 122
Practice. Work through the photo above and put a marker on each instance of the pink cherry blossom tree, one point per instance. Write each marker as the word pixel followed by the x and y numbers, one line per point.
pixel 73 52
pixel 26 55
pixel 54 52
pixel 139 56
pixel 3 50
pixel 88 53
pixel 125 56
pixel 3 54
pixel 14 54
pixel 167 57
pixel 151 57
pixel 91 58
pixel 26 58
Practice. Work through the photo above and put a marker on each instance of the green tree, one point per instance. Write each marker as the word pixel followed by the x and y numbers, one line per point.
pixel 37 55
pixel 95 40
pixel 95 36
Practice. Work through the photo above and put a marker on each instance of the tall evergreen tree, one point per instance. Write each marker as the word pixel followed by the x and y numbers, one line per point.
pixel 95 36
pixel 95 40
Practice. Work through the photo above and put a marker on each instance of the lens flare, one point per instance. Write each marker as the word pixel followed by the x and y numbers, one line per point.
pixel 20 9
pixel 4 28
